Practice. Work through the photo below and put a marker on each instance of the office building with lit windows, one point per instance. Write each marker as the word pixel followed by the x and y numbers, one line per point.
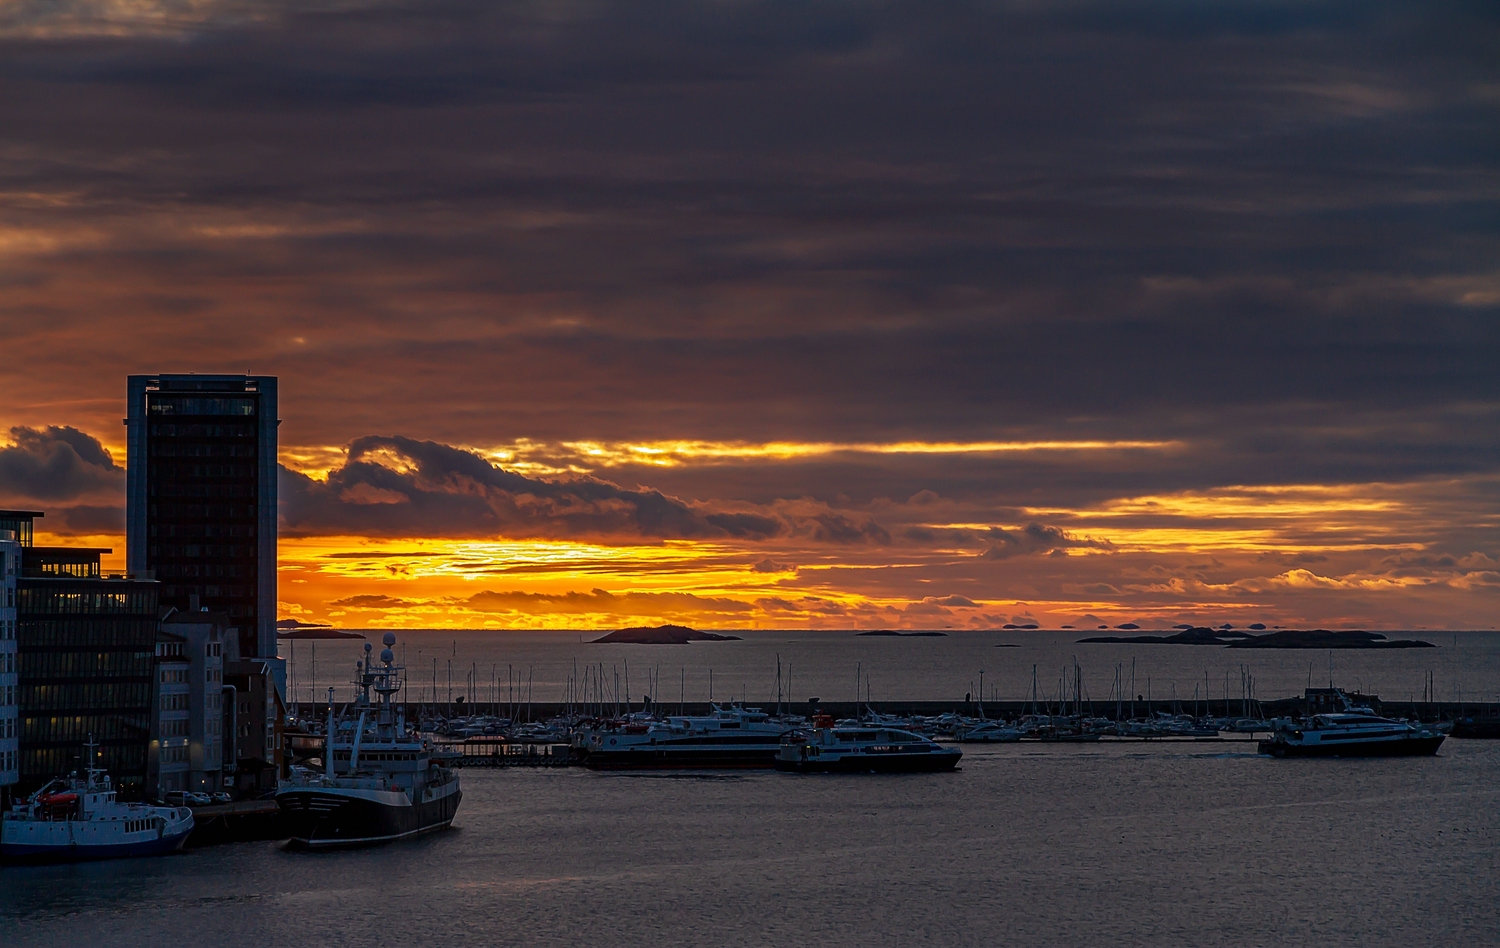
pixel 85 649
pixel 201 496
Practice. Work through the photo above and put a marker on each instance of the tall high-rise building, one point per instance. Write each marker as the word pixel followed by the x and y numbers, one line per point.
pixel 201 496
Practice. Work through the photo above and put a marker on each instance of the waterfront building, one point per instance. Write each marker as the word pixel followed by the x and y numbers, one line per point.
pixel 10 573
pixel 187 749
pixel 85 647
pixel 257 722
pixel 201 496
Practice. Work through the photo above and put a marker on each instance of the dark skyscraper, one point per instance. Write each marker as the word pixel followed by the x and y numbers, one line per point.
pixel 201 505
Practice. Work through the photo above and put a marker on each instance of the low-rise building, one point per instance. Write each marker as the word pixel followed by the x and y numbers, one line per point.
pixel 194 641
pixel 170 757
pixel 258 722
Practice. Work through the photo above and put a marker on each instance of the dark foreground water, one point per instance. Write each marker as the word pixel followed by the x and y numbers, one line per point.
pixel 1123 844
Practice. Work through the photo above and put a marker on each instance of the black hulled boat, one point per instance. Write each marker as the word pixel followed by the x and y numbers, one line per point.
pixel 379 782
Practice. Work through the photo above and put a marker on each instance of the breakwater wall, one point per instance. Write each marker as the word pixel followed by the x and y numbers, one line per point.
pixel 542 710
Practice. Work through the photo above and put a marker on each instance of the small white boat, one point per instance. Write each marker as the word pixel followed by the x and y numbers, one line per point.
pixel 78 819
pixel 989 732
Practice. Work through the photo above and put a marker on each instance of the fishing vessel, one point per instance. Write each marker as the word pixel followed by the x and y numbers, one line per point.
pixel 379 782
pixel 733 737
pixel 76 819
pixel 863 750
pixel 1353 732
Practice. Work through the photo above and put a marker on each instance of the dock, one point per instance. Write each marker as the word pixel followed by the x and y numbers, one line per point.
pixel 235 823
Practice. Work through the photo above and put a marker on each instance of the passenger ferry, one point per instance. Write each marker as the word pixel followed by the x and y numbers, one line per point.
pixel 78 819
pixel 1354 732
pixel 379 782
pixel 850 750
pixel 732 737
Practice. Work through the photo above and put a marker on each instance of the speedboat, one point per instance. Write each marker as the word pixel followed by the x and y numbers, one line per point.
pixel 379 781
pixel 729 738
pixel 1354 733
pixel 78 819
pixel 849 750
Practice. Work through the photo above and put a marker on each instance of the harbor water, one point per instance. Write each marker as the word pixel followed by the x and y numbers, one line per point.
pixel 1036 845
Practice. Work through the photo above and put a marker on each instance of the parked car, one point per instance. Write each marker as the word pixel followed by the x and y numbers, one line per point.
pixel 222 797
pixel 175 798
pixel 194 798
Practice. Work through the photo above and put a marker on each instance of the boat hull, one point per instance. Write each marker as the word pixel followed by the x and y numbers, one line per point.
pixel 1403 747
pixel 338 818
pixel 872 764
pixel 29 853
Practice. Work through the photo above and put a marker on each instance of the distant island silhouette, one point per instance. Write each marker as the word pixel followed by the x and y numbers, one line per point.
pixel 293 629
pixel 905 635
pixel 663 635
pixel 1285 639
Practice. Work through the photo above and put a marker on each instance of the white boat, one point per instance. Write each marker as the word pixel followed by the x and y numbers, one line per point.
pixel 729 738
pixel 853 750
pixel 1351 734
pixel 78 818
pixel 989 732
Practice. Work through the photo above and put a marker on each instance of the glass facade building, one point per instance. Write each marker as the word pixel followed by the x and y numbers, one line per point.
pixel 201 496
pixel 86 649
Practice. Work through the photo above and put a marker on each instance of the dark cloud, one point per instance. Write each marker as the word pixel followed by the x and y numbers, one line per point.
pixel 57 464
pixel 396 486
pixel 1037 538
pixel 599 600
pixel 371 601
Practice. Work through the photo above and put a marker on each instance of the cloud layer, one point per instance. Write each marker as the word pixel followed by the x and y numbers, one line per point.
pixel 1239 256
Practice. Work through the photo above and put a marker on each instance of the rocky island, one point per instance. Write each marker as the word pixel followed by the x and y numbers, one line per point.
pixel 1284 639
pixel 663 635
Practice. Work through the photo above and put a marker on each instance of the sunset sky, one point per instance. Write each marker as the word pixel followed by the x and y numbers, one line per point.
pixel 783 315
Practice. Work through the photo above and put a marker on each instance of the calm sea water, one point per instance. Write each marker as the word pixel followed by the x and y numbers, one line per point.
pixel 1024 845
pixel 1466 666
pixel 1123 844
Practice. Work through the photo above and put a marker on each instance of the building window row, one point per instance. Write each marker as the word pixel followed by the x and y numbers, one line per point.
pixel 8 626
pixel 177 471
pixel 121 761
pixel 170 449
pixel 54 665
pixel 160 430
pixel 174 755
pixel 137 634
pixel 8 761
pixel 41 600
pixel 67 697
pixel 199 405
pixel 78 728
pixel 7 662
pixel 174 702
pixel 216 512
pixel 174 676
pixel 180 728
pixel 7 695
pixel 7 728
pixel 243 487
